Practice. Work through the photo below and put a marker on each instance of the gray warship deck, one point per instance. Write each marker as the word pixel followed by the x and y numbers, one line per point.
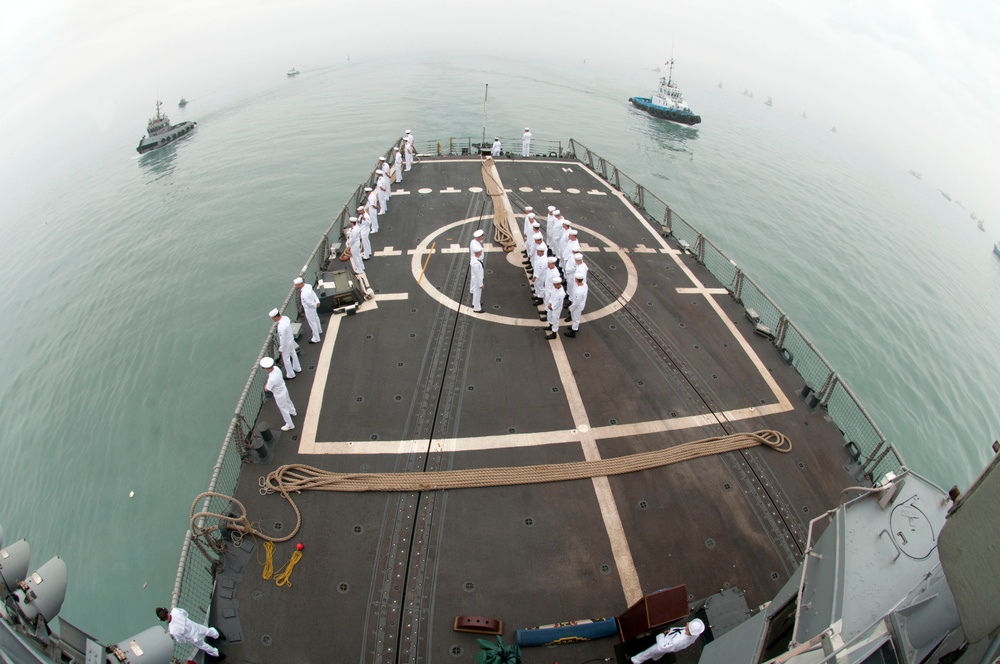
pixel 416 381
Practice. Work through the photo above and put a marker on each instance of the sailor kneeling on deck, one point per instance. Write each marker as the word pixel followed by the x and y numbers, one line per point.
pixel 674 639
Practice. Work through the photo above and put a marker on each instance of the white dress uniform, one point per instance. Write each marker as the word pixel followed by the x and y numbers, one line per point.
pixel 552 222
pixel 276 386
pixel 526 143
pixel 373 209
pixel 185 630
pixel 397 163
pixel 354 242
pixel 380 187
pixel 408 152
pixel 577 301
pixel 554 304
pixel 541 268
pixel 286 345
pixel 366 228
pixel 569 248
pixel 674 640
pixel 578 267
pixel 476 274
pixel 529 219
pixel 476 243
pixel 550 274
pixel 310 304
pixel 496 150
pixel 388 180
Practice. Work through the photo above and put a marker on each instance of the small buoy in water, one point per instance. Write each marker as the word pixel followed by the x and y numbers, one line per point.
pixel 145 584
pixel 131 494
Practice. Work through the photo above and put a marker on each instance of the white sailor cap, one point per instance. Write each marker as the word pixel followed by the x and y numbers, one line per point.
pixel 272 313
pixel 360 208
pixel 396 149
pixel 407 131
pixel 567 222
pixel 266 362
pixel 535 224
pixel 531 215
pixel 378 171
pixel 551 208
pixel 557 280
pixel 381 158
pixel 579 274
pixel 578 256
pixel 496 138
pixel 353 220
pixel 696 627
pixel 536 235
pixel 528 208
pixel 556 212
pixel 552 259
pixel 368 188
pixel 572 231
pixel 526 129
pixel 478 233
pixel 297 281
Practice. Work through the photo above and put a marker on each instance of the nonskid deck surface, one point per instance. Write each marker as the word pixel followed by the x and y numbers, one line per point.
pixel 416 382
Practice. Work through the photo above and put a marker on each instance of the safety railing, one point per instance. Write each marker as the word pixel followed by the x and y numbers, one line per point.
pixel 864 440
pixel 466 146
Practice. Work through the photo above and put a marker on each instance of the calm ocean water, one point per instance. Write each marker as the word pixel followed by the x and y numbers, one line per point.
pixel 135 290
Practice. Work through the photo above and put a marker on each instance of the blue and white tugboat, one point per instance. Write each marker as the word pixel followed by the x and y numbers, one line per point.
pixel 668 102
pixel 160 132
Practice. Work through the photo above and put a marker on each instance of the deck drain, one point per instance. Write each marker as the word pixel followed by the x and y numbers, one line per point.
pixel 412 335
pixel 265 639
pixel 413 311
pixel 762 401
pixel 802 466
pixel 715 375
pixel 358 529
pixel 774 575
pixel 278 525
pixel 643 505
pixel 725 345
pixel 587 355
pixel 673 413
pixel 398 397
pixel 456 651
pixel 471 388
pixel 614 267
pixel 257 594
pixel 498 360
pixel 312 367
pixel 555 389
pixel 640 383
pixel 726 585
pixel 613 327
pixel 496 306
pixel 649 304
pixel 368 336
pixel 364 467
pixel 529 521
pixel 469 587
pixel 605 569
pixel 654 284
pixel 374 436
pixel 343 588
pixel 690 597
pixel 710 543
pixel 612 421
pixel 805 509
pixel 696 346
pixel 682 324
pixel 399 364
pixel 512 430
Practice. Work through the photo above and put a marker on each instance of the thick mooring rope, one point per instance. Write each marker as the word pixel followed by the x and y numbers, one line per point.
pixel 294 478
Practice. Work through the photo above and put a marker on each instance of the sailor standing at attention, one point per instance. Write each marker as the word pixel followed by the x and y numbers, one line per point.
pixel 310 304
pixel 380 187
pixel 529 218
pixel 476 274
pixel 388 179
pixel 674 639
pixel 397 163
pixel 476 244
pixel 185 630
pixel 577 301
pixel 571 246
pixel 496 150
pixel 286 344
pixel 538 277
pixel 354 244
pixel 276 386
pixel 526 143
pixel 548 277
pixel 408 149
pixel 365 223
pixel 551 223
pixel 553 307
pixel 372 207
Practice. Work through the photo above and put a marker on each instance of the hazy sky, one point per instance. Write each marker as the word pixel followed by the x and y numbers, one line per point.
pixel 919 80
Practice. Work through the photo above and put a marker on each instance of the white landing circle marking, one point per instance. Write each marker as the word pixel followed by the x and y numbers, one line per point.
pixel 571 190
pixel 424 190
pixel 476 190
pixel 420 252
pixel 525 190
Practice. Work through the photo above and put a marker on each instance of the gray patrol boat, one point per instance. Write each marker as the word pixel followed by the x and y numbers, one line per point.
pixel 457 477
pixel 159 131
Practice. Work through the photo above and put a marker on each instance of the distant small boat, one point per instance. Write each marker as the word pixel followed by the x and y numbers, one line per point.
pixel 183 102
pixel 945 194
pixel 293 72
pixel 833 129
pixel 996 248
pixel 768 102
pixel 667 102
pixel 916 174
pixel 803 114
pixel 982 225
pixel 160 132
pixel 720 85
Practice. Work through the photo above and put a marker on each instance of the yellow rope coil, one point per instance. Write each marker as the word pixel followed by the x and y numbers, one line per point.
pixel 268 560
pixel 284 577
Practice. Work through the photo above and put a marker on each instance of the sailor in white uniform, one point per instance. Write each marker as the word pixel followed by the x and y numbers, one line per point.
pixel 397 163
pixel 674 639
pixel 310 305
pixel 526 143
pixel 497 149
pixel 276 386
pixel 570 247
pixel 551 222
pixel 531 244
pixel 548 277
pixel 538 279
pixel 577 267
pixel 529 218
pixel 383 191
pixel 354 244
pixel 408 152
pixel 371 206
pixel 286 343
pixel 477 272
pixel 365 223
pixel 476 244
pixel 577 301
pixel 184 630
pixel 558 241
pixel 553 306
